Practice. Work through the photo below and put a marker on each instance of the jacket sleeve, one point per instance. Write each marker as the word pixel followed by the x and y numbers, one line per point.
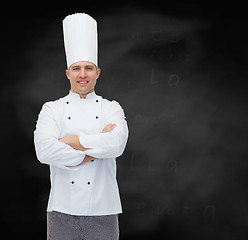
pixel 111 144
pixel 49 149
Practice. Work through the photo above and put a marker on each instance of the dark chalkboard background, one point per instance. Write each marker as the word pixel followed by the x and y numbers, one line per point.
pixel 180 73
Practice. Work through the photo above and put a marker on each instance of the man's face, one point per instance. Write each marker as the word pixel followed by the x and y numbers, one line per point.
pixel 83 76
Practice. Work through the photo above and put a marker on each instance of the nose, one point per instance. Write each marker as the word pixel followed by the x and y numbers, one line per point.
pixel 83 73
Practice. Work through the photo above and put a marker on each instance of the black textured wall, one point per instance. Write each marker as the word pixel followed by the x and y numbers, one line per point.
pixel 180 73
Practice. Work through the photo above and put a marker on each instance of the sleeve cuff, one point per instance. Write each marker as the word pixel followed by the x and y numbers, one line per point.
pixel 75 167
pixel 90 141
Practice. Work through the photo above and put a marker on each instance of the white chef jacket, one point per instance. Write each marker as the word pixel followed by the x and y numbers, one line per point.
pixel 87 189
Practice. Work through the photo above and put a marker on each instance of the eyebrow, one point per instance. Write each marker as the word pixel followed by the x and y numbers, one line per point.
pixel 82 66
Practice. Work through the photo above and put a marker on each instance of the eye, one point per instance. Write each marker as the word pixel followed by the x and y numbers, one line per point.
pixel 89 68
pixel 75 68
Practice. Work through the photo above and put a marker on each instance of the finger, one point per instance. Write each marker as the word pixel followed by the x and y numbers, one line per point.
pixel 61 140
pixel 108 128
pixel 112 127
pixel 105 129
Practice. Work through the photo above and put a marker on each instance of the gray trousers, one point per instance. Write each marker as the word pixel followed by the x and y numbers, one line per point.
pixel 61 226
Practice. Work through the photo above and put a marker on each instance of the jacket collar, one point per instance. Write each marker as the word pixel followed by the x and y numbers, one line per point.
pixel 89 96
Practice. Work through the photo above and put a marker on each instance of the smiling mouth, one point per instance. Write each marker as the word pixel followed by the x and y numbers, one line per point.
pixel 82 83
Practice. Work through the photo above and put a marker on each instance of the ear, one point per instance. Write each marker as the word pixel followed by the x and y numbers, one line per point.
pixel 98 71
pixel 67 74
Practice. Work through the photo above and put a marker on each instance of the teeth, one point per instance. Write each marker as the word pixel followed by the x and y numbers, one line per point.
pixel 83 81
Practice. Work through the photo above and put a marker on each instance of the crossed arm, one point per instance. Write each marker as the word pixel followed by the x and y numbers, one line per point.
pixel 74 142
pixel 71 151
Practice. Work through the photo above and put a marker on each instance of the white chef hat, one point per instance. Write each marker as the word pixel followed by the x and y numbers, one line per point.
pixel 80 38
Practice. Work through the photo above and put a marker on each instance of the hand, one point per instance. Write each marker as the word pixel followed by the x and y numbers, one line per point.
pixel 73 141
pixel 68 140
pixel 109 128
pixel 88 158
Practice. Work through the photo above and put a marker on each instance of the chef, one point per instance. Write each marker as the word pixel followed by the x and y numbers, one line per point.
pixel 80 136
